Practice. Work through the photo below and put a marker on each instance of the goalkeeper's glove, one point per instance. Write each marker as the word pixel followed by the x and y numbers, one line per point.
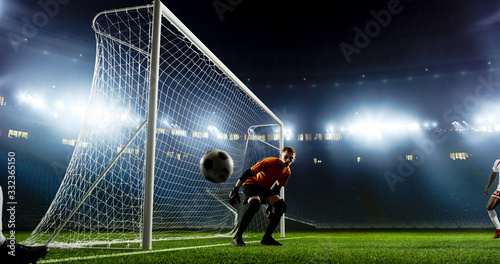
pixel 234 197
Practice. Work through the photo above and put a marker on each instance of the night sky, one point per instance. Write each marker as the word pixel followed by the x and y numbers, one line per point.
pixel 416 57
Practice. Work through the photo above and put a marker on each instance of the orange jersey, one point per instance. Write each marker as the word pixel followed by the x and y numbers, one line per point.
pixel 267 171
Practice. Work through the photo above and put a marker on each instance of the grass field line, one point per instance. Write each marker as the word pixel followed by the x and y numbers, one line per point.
pixel 151 251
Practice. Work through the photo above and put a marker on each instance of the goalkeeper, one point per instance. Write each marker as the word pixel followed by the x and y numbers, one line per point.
pixel 261 185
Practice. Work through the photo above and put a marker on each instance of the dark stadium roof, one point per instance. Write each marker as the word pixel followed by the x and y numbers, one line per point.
pixel 423 56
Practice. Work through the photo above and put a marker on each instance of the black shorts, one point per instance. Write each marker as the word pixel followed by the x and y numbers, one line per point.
pixel 253 190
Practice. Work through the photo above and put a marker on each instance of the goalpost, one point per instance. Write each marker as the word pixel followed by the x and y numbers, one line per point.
pixel 160 99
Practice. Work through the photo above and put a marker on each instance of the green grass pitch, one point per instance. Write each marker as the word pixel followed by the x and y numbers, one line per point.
pixel 369 246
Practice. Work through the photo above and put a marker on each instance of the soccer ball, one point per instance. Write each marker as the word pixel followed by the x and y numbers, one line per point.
pixel 216 166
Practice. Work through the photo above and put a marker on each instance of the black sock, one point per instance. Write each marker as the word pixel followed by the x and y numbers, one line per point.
pixel 274 220
pixel 253 207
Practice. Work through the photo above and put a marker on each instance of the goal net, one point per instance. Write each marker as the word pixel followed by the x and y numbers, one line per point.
pixel 200 105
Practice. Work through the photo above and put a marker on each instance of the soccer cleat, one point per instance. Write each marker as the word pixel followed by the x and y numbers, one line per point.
pixel 269 241
pixel 238 242
pixel 18 253
pixel 497 234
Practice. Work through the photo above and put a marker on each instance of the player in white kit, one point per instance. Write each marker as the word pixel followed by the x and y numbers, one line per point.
pixel 494 199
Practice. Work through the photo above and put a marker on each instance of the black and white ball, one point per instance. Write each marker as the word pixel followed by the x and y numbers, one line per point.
pixel 216 166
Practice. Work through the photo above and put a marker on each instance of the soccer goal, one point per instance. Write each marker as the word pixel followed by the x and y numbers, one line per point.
pixel 159 100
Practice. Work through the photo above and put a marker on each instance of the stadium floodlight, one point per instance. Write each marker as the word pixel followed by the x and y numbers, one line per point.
pixel 59 105
pixel 288 134
pixel 215 132
pixel 413 126
pixel 35 102
pixel 125 181
pixel 395 128
pixel 372 128
pixel 457 125
pixel 23 97
pixel 78 110
pixel 467 125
